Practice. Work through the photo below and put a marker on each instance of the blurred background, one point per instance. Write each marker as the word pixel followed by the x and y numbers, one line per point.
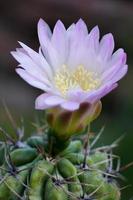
pixel 18 21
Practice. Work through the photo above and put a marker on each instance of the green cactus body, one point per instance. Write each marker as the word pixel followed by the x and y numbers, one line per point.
pixel 39 175
pixel 75 188
pixel 74 146
pixel 69 172
pixel 13 186
pixel 54 191
pixel 37 141
pixel 98 160
pixel 2 153
pixel 29 174
pixel 111 192
pixel 23 155
pixel 67 169
pixel 75 158
pixel 92 182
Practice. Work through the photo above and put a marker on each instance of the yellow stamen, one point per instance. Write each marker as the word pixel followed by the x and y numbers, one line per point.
pixel 66 79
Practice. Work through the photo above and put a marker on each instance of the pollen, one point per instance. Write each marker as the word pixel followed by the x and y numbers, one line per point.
pixel 65 79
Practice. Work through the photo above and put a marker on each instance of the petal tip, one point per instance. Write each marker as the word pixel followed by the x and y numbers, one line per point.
pixel 109 37
pixel 95 32
pixel 41 24
pixel 124 58
pixel 12 53
pixel 41 21
pixel 80 21
pixel 59 25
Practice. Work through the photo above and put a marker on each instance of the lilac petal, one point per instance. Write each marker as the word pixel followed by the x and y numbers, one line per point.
pixel 32 80
pixel 117 56
pixel 106 46
pixel 74 48
pixel 45 101
pixel 77 95
pixel 93 39
pixel 24 59
pixel 54 100
pixel 98 94
pixel 38 59
pixel 40 102
pixel 21 50
pixel 107 89
pixel 69 34
pixel 70 105
pixel 76 44
pixel 70 29
pixel 34 55
pixel 30 66
pixel 59 39
pixel 113 71
pixel 51 54
pixel 76 35
pixel 53 57
pixel 124 58
pixel 44 34
pixel 110 73
pixel 81 27
pixel 120 74
pixel 45 65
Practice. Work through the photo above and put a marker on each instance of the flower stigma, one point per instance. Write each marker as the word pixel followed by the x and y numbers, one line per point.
pixel 80 77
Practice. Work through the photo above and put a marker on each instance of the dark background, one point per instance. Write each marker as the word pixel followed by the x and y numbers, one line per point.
pixel 18 21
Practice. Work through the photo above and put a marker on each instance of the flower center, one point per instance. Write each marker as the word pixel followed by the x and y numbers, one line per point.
pixel 80 77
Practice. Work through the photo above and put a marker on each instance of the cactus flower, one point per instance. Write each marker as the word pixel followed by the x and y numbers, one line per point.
pixel 72 65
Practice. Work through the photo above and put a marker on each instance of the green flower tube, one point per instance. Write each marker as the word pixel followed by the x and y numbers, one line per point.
pixel 64 124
